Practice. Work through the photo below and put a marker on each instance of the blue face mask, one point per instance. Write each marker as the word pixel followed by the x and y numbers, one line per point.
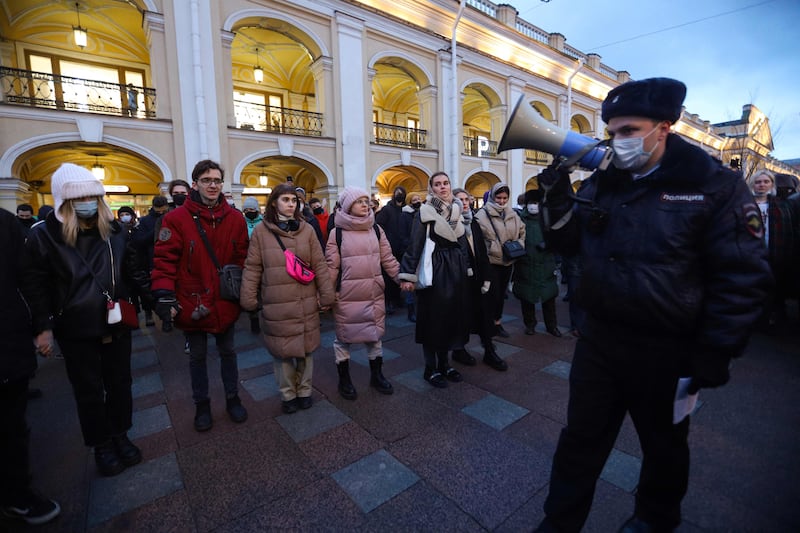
pixel 86 209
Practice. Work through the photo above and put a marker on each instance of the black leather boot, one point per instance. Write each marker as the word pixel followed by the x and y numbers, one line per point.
pixel 202 416
pixel 346 388
pixel 376 377
pixel 446 370
pixel 491 358
pixel 127 452
pixel 108 463
pixel 236 410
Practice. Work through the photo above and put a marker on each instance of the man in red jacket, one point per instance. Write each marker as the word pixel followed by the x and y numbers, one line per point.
pixel 195 240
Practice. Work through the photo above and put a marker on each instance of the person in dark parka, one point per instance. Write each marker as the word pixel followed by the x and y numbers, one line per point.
pixel 17 364
pixel 674 277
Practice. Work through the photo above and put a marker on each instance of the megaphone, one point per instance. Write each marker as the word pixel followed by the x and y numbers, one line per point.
pixel 528 129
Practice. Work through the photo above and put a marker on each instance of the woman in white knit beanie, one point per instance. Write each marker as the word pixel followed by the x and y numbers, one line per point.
pixel 78 268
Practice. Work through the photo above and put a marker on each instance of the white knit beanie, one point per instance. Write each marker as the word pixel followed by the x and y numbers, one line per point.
pixel 350 195
pixel 73 181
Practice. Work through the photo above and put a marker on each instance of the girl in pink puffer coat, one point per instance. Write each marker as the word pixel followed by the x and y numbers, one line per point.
pixel 356 252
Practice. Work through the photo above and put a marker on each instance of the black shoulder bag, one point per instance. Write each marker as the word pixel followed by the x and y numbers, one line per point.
pixel 230 276
pixel 512 249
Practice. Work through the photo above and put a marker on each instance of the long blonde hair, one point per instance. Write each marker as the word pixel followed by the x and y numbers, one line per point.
pixel 71 225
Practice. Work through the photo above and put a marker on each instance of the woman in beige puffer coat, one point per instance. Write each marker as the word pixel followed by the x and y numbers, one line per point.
pixel 355 254
pixel 289 311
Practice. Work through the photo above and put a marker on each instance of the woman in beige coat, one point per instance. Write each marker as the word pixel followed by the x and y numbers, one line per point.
pixel 499 223
pixel 356 251
pixel 289 312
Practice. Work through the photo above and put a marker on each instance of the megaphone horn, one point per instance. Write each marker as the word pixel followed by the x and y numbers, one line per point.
pixel 528 129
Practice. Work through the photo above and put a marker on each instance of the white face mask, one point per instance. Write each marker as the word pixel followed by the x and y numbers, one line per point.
pixel 86 209
pixel 125 218
pixel 533 209
pixel 629 153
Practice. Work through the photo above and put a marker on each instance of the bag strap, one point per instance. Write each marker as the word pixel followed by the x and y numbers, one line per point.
pixel 496 234
pixel 204 237
pixel 280 242
pixel 339 246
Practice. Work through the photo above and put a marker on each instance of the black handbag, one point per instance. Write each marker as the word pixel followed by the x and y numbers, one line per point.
pixel 512 250
pixel 230 276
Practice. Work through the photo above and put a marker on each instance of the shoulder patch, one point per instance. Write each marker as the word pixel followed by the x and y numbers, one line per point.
pixel 752 220
pixel 164 234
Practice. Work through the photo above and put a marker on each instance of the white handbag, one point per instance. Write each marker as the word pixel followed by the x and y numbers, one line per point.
pixel 425 265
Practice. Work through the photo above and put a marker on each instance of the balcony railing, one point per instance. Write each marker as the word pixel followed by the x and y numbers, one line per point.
pixel 40 89
pixel 480 147
pixel 399 135
pixel 537 157
pixel 261 117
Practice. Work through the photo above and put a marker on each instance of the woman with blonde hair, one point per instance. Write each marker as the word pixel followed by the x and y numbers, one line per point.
pixel 288 308
pixel 80 272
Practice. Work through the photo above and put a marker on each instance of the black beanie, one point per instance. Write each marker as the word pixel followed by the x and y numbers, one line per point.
pixel 656 98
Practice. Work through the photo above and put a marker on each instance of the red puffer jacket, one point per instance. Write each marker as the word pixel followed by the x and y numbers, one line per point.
pixel 182 263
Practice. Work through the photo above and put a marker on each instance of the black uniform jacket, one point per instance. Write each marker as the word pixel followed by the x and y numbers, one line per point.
pixel 674 257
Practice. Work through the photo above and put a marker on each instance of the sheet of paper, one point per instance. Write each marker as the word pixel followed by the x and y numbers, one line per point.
pixel 684 402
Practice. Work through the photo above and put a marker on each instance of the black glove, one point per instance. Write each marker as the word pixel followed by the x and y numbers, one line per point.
pixel 165 303
pixel 709 371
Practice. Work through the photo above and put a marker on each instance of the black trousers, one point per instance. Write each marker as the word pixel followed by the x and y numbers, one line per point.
pixel 501 275
pixel 14 459
pixel 604 385
pixel 100 374
pixel 548 313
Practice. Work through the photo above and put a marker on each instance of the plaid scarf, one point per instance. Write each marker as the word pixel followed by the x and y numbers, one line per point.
pixel 444 209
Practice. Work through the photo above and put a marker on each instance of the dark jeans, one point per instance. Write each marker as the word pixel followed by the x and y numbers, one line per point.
pixel 100 374
pixel 198 350
pixel 501 275
pixel 14 460
pixel 603 387
pixel 571 268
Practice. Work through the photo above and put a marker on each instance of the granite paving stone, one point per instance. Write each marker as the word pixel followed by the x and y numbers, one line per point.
pixel 146 384
pixel 149 421
pixel 262 387
pixel 375 479
pixel 622 470
pixel 134 487
pixel 559 369
pixel 143 359
pixel 307 423
pixel 253 357
pixel 495 411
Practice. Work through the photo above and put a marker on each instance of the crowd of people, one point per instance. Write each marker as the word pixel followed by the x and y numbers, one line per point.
pixel 669 260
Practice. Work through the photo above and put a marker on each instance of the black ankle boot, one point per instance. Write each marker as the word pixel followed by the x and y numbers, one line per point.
pixel 202 416
pixel 376 376
pixel 446 370
pixel 108 463
pixel 127 452
pixel 236 410
pixel 346 388
pixel 491 358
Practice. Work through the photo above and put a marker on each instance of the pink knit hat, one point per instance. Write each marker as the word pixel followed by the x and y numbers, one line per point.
pixel 349 195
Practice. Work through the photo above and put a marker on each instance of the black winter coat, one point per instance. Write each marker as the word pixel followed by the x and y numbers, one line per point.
pixel 678 262
pixel 440 323
pixel 63 294
pixel 397 226
pixel 17 359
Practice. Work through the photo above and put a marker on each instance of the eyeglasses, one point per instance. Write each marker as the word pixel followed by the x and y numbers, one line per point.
pixel 208 181
pixel 362 201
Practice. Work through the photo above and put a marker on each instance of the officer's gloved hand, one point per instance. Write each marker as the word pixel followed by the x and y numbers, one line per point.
pixel 165 303
pixel 554 181
pixel 709 372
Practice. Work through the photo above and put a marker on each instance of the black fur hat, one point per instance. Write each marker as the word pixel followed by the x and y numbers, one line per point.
pixel 657 98
pixel 533 196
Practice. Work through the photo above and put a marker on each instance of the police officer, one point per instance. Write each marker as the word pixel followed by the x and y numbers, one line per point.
pixel 674 277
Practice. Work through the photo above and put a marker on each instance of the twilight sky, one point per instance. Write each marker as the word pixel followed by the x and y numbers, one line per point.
pixel 728 52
